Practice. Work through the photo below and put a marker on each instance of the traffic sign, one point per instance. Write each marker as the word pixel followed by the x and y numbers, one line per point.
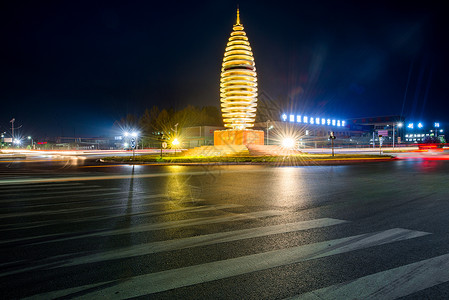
pixel 382 132
pixel 164 145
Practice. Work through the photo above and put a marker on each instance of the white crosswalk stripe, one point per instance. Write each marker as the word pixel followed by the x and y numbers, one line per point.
pixel 176 278
pixel 203 240
pixel 197 241
pixel 150 227
pixel 390 284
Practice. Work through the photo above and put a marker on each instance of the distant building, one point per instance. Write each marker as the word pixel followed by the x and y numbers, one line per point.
pixel 199 136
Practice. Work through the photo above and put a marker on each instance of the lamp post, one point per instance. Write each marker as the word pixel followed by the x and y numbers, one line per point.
pixel 436 125
pixel 268 121
pixel 32 141
pixel 175 143
pixel 12 128
pixel 400 124
pixel 134 136
pixel 268 129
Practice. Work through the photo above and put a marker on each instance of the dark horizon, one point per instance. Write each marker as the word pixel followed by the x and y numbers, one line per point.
pixel 77 67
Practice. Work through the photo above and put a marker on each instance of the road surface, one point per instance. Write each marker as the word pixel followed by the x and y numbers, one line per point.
pixel 75 228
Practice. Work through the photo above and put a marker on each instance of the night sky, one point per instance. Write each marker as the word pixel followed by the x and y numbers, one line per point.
pixel 74 67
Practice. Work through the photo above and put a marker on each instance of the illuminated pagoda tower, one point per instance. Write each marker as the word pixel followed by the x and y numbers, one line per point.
pixel 238 92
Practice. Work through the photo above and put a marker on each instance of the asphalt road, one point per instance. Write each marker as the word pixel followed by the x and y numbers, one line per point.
pixel 72 228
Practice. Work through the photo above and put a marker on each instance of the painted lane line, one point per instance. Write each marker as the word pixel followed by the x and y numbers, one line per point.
pixel 71 196
pixel 65 192
pixel 150 227
pixel 35 224
pixel 202 240
pixel 176 278
pixel 73 210
pixel 41 186
pixel 390 284
pixel 64 202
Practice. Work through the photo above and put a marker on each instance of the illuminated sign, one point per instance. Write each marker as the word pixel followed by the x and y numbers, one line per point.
pixel 313 120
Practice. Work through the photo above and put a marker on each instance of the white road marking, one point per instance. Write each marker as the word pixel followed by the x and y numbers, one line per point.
pixel 40 186
pixel 71 196
pixel 177 278
pixel 73 192
pixel 35 224
pixel 390 284
pixel 77 209
pixel 150 227
pixel 202 240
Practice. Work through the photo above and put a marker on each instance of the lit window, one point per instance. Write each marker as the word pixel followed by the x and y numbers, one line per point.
pixel 307 132
pixel 298 119
pixel 317 121
pixel 292 118
pixel 305 120
pixel 328 121
pixel 284 117
pixel 338 123
pixel 333 122
pixel 343 123
pixel 410 125
pixel 311 121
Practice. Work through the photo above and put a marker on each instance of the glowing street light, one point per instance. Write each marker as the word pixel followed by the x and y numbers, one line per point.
pixel 288 143
pixel 32 142
pixel 175 144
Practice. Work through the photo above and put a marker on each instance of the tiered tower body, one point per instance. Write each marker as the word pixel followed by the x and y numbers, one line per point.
pixel 238 91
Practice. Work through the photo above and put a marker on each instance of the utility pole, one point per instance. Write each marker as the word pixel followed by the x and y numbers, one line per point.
pixel 332 138
pixel 12 128
pixel 393 136
pixel 268 121
pixel 380 144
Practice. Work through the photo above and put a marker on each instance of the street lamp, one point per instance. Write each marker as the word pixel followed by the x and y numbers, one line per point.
pixel 32 141
pixel 437 125
pixel 288 143
pixel 134 136
pixel 175 143
pixel 268 128
pixel 400 124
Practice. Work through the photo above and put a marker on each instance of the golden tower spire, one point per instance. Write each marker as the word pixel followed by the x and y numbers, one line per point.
pixel 238 16
pixel 238 83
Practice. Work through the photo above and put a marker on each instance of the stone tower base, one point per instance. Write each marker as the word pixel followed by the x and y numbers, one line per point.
pixel 238 137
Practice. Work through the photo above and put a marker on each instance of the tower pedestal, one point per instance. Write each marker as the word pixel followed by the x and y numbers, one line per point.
pixel 238 137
